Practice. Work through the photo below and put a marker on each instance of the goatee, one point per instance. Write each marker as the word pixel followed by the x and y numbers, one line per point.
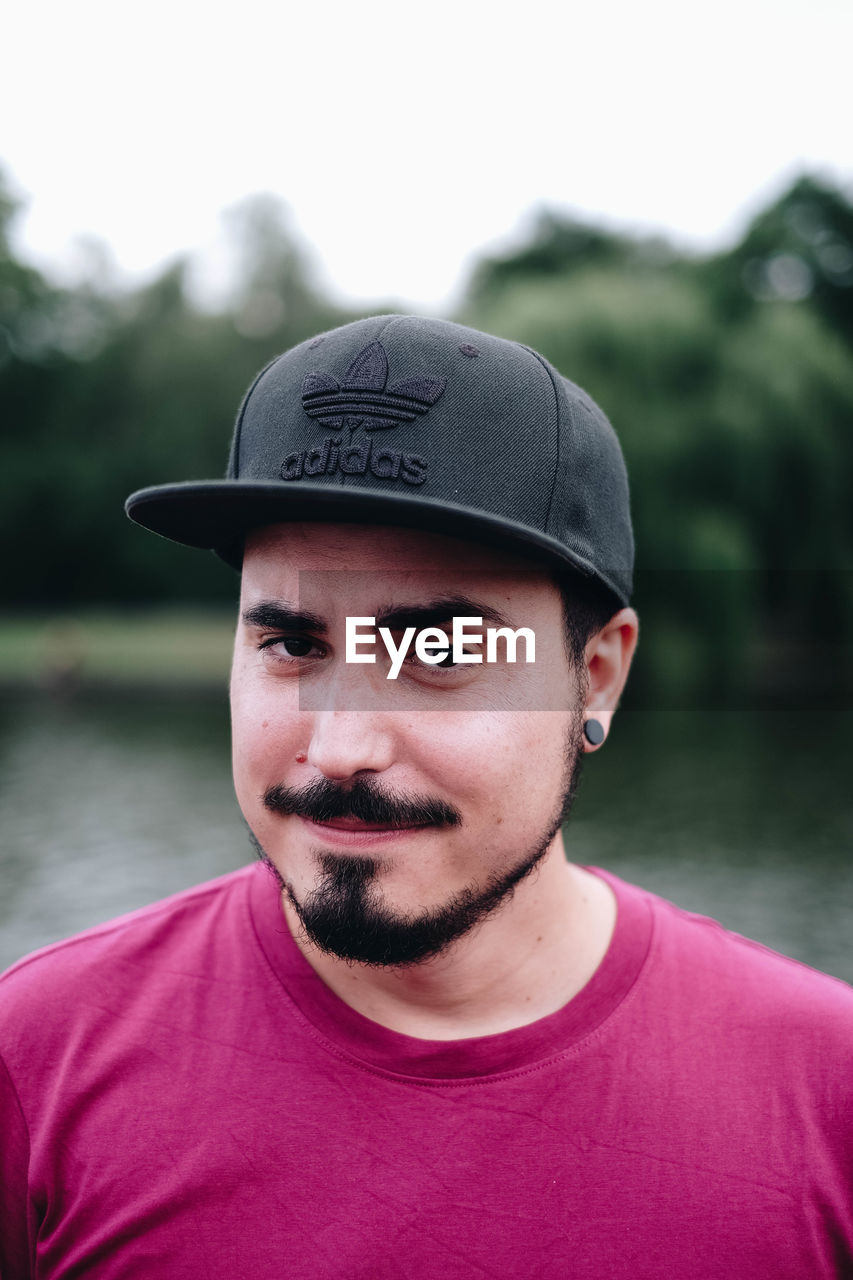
pixel 344 915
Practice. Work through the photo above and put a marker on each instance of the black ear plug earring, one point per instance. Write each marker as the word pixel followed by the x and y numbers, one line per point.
pixel 593 731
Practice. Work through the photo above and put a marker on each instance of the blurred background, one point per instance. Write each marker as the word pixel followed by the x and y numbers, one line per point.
pixel 662 204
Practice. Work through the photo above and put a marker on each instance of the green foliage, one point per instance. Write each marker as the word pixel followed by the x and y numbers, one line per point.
pixel 557 246
pixel 728 379
pixel 800 248
pixel 151 399
pixel 734 406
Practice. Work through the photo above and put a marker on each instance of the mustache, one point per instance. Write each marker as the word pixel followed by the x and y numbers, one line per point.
pixel 323 800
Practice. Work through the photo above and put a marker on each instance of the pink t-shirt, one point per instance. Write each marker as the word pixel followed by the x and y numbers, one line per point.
pixel 183 1097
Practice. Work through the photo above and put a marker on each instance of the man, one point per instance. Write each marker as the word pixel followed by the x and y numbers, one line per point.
pixel 417 1041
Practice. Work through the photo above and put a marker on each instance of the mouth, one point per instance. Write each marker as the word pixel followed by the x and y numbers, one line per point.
pixel 353 833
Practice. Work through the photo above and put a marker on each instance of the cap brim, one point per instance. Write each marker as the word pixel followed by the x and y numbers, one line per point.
pixel 216 515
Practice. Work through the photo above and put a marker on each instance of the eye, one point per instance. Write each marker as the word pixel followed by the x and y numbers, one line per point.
pixel 296 646
pixel 446 662
pixel 289 650
pixel 446 672
pixel 412 660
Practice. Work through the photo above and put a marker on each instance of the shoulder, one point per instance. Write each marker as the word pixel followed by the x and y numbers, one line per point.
pixel 718 959
pixel 701 977
pixel 173 933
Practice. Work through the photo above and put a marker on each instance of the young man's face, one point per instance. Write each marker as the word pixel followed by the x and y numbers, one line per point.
pixel 397 812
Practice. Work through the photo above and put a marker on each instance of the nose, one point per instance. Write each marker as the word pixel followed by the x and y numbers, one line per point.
pixel 344 743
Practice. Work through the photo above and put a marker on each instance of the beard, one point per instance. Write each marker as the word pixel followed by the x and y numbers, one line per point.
pixel 344 915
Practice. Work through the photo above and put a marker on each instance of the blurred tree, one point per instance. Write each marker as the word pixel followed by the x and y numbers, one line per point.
pixel 798 249
pixel 555 245
pixel 728 378
pixel 736 425
pixel 273 284
pixel 149 397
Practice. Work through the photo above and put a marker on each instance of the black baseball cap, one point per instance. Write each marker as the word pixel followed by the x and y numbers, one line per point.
pixel 406 420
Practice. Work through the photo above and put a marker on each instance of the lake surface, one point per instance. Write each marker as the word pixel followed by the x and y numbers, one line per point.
pixel 747 816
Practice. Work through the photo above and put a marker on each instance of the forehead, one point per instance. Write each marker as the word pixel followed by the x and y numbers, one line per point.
pixel 367 557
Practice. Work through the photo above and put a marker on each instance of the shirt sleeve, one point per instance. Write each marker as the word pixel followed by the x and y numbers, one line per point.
pixel 15 1251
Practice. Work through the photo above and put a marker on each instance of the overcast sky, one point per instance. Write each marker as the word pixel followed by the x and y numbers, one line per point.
pixel 405 137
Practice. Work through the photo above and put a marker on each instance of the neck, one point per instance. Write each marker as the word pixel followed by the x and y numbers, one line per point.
pixel 525 961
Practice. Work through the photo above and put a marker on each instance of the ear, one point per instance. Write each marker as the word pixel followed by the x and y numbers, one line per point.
pixel 608 660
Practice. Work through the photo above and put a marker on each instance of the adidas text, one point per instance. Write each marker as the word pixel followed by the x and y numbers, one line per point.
pixel 354 460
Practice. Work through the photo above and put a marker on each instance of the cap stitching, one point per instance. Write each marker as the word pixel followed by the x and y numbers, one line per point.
pixel 238 428
pixel 389 321
pixel 547 369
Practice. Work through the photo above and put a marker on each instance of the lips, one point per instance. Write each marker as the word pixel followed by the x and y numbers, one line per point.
pixel 356 824
pixel 352 832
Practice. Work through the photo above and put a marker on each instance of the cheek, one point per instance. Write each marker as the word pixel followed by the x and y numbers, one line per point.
pixel 508 764
pixel 265 736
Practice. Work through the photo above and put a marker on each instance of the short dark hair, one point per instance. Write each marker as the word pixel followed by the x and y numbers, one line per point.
pixel 587 607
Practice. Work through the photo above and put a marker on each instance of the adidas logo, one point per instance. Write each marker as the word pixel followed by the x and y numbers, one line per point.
pixel 363 399
pixel 354 460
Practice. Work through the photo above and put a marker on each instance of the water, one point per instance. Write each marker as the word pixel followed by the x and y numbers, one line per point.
pixel 743 815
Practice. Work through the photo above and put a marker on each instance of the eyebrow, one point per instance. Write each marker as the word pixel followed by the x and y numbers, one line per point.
pixel 278 615
pixel 437 611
